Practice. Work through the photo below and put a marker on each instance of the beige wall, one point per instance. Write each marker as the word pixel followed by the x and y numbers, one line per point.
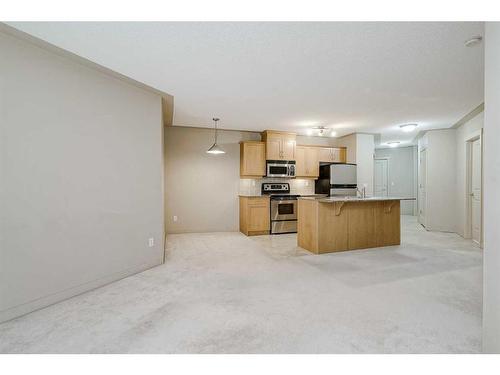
pixel 202 189
pixel 81 178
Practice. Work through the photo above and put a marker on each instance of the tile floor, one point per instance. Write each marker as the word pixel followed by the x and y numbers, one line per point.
pixel 227 293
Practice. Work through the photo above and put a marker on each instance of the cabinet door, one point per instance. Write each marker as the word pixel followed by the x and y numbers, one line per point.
pixel 325 155
pixel 307 164
pixel 301 161
pixel 312 162
pixel 342 155
pixel 288 146
pixel 258 217
pixel 253 159
pixel 273 147
pixel 336 155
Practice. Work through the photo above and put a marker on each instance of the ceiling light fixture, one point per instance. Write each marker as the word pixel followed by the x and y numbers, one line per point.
pixel 408 127
pixel 215 149
pixel 473 41
pixel 320 130
pixel 393 143
pixel 333 133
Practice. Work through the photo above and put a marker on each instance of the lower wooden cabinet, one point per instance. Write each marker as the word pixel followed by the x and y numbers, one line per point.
pixel 254 215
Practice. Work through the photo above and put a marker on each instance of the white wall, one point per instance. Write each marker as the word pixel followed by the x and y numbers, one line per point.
pixel 365 150
pixel 491 158
pixel 401 175
pixel 81 178
pixel 465 132
pixel 349 141
pixel 441 182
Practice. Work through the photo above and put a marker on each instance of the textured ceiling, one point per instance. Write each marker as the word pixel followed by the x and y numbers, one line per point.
pixel 352 77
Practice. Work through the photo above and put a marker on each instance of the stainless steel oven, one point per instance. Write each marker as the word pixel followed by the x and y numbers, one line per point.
pixel 283 210
pixel 280 168
pixel 283 215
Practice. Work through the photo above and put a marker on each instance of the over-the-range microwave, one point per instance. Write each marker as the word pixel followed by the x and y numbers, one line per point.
pixel 280 168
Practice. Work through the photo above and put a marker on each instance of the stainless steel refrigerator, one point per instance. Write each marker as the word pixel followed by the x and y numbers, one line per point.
pixel 336 179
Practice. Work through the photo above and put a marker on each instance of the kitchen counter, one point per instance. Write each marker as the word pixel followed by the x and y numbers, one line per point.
pixel 327 199
pixel 330 224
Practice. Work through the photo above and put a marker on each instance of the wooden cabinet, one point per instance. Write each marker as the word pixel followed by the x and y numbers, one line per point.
pixel 252 159
pixel 254 215
pixel 307 163
pixel 279 145
pixel 332 154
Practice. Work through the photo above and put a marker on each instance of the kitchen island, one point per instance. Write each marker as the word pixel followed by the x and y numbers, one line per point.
pixel 333 224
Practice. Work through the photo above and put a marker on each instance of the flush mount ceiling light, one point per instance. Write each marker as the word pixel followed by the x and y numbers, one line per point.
pixel 321 130
pixel 408 127
pixel 215 149
pixel 393 143
pixel 473 41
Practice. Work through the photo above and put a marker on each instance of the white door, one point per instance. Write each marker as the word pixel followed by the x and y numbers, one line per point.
pixel 380 177
pixel 475 192
pixel 422 182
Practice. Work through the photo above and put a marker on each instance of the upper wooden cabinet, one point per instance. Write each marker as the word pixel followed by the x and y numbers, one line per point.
pixel 279 145
pixel 307 163
pixel 252 159
pixel 332 154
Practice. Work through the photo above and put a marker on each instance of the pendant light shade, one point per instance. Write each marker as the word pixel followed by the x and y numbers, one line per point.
pixel 215 148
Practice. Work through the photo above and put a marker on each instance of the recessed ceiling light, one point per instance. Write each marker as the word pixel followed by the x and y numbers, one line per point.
pixel 333 133
pixel 408 127
pixel 473 41
pixel 393 143
pixel 309 132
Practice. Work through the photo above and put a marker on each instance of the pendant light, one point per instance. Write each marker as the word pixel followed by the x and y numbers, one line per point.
pixel 215 149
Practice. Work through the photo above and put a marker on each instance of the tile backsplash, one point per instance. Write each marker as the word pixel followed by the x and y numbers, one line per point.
pixel 297 185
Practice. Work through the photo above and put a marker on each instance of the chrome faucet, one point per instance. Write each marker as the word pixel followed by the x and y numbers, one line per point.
pixel 361 192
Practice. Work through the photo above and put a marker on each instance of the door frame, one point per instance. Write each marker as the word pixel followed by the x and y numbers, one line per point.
pixel 421 177
pixel 478 135
pixel 388 159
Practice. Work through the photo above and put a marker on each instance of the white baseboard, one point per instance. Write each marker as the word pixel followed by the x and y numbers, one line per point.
pixel 40 303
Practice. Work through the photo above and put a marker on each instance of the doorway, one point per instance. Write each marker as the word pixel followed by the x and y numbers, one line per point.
pixel 381 177
pixel 474 190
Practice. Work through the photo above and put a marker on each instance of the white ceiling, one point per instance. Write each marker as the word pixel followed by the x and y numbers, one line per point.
pixel 353 77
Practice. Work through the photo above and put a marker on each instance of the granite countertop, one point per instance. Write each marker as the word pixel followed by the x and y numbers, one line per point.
pixel 353 199
pixel 314 196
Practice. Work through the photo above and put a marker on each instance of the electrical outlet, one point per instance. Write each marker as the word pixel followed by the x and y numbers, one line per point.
pixel 151 242
pixel 175 218
pixel 253 182
pixel 307 183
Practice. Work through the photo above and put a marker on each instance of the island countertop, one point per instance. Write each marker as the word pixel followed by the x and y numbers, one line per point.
pixel 354 199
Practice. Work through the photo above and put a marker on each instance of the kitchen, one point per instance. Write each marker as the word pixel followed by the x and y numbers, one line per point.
pixel 367 221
